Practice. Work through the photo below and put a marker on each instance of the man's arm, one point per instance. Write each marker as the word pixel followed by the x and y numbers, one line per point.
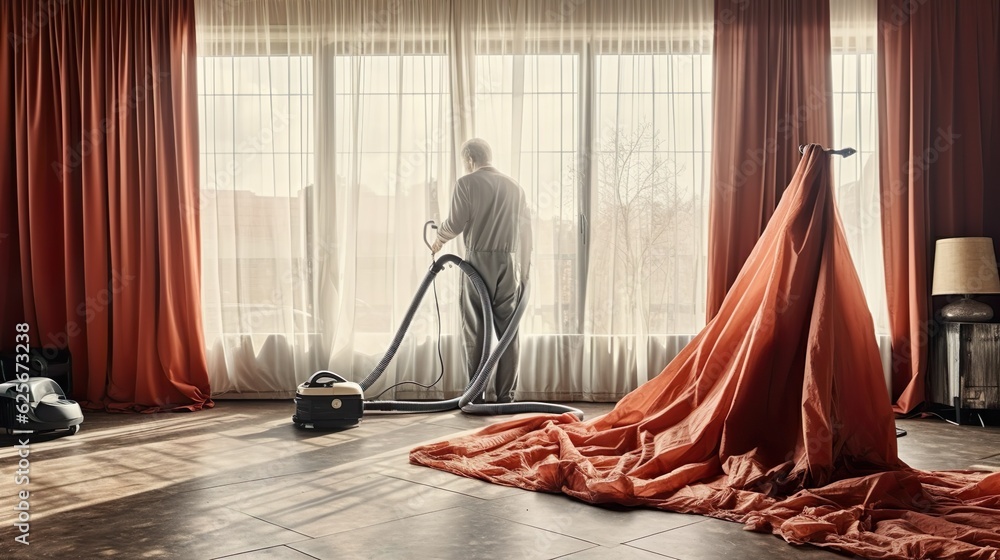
pixel 458 216
pixel 526 240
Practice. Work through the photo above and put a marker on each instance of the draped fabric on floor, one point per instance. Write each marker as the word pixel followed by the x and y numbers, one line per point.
pixel 775 415
pixel 99 239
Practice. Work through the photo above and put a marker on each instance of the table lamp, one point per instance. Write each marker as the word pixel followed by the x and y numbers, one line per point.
pixel 965 266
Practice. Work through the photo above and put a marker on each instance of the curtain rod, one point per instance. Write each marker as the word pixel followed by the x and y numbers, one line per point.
pixel 843 152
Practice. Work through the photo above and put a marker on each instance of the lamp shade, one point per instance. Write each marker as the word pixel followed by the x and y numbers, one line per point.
pixel 965 265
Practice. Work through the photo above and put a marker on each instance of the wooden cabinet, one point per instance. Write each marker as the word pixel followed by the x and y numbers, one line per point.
pixel 965 367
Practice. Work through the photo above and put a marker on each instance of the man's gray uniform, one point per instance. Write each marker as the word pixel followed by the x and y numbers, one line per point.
pixel 490 210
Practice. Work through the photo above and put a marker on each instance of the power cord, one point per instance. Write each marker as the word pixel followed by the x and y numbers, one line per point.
pixel 437 309
pixel 982 423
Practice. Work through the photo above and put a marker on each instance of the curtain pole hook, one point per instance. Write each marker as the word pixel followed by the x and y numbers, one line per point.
pixel 843 152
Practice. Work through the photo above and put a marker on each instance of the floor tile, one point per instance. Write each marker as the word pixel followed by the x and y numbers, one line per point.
pixel 621 552
pixel 932 444
pixel 273 553
pixel 325 507
pixel 603 525
pixel 445 480
pixel 157 525
pixel 712 539
pixel 451 533
pixel 310 452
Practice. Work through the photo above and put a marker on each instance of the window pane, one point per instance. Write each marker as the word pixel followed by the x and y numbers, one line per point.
pixel 649 198
pixel 254 115
pixel 533 115
pixel 855 124
pixel 392 137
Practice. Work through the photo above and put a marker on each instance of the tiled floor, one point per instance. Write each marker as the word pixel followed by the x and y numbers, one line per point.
pixel 240 482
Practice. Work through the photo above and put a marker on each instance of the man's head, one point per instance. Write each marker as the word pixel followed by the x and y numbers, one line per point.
pixel 476 153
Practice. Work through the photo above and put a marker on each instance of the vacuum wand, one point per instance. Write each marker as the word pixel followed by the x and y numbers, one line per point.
pixel 432 225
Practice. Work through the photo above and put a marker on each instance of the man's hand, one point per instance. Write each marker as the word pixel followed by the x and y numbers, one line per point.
pixel 436 247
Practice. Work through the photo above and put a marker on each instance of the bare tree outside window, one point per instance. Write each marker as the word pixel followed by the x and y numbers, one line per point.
pixel 642 219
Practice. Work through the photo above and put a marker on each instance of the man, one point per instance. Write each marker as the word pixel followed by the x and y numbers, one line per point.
pixel 490 210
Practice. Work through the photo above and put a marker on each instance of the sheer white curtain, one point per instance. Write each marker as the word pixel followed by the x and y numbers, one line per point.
pixel 329 135
pixel 600 111
pixel 326 143
pixel 855 120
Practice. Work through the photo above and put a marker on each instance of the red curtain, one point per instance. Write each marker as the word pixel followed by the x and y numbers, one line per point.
pixel 776 415
pixel 772 94
pixel 99 233
pixel 939 142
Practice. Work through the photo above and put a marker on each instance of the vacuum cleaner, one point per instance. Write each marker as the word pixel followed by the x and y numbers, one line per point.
pixel 38 404
pixel 329 401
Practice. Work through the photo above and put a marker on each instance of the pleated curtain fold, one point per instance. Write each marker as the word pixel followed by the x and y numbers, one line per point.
pixel 939 135
pixel 773 90
pixel 99 230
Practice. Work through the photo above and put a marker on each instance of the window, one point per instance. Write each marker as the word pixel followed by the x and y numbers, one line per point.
pixel 855 118
pixel 529 105
pixel 385 123
pixel 649 201
pixel 392 144
pixel 256 149
pixel 630 221
pixel 320 168
pixel 641 204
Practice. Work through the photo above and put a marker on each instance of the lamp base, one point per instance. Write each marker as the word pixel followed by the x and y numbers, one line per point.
pixel 967 310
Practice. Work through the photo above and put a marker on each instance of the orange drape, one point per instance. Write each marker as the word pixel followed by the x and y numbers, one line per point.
pixel 776 415
pixel 772 93
pixel 99 236
pixel 939 142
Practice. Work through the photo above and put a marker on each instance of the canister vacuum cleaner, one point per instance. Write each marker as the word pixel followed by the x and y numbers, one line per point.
pixel 330 401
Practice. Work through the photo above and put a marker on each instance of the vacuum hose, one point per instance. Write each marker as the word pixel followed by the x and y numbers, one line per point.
pixel 487 361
